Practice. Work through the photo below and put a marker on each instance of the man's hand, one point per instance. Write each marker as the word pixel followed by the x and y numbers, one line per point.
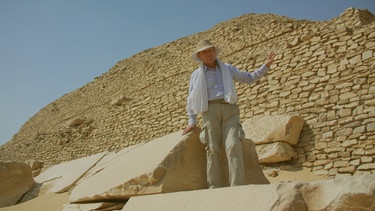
pixel 270 59
pixel 190 128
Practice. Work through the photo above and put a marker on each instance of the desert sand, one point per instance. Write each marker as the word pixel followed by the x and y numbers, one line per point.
pixel 50 202
pixel 296 174
pixel 55 202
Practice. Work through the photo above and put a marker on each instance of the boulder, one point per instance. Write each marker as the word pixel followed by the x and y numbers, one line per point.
pixel 15 180
pixel 274 152
pixel 344 193
pixel 271 129
pixel 274 136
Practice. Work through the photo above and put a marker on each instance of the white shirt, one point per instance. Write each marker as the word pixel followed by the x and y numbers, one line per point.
pixel 215 86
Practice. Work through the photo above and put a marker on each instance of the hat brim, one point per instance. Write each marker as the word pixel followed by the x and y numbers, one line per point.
pixel 194 56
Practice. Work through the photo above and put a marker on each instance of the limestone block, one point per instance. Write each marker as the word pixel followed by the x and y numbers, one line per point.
pixel 61 177
pixel 274 152
pixel 119 100
pixel 75 122
pixel 15 180
pixel 370 45
pixel 153 167
pixel 367 55
pixel 295 41
pixel 270 129
pixel 367 166
pixel 307 36
pixel 167 164
pixel 280 196
pixel 344 193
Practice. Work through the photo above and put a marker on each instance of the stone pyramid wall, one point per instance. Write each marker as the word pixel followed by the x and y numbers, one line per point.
pixel 325 73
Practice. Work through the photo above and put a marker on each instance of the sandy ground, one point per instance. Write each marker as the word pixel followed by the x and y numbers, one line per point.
pixel 55 202
pixel 48 202
pixel 298 174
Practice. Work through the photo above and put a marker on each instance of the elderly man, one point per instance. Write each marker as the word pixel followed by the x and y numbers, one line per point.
pixel 212 93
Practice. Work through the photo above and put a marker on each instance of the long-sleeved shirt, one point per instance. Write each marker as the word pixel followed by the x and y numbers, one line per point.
pixel 215 86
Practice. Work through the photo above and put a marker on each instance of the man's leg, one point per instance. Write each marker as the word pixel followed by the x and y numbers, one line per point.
pixel 233 145
pixel 212 129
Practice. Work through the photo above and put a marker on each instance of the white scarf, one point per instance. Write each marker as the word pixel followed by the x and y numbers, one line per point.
pixel 198 97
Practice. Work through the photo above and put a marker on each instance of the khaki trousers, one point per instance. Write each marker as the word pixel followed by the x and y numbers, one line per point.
pixel 221 128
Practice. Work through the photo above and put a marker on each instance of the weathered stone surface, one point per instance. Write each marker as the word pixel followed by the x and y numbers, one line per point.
pixel 176 164
pixel 348 193
pixel 15 180
pixel 62 177
pixel 345 193
pixel 282 196
pixel 153 161
pixel 270 129
pixel 275 152
pixel 168 164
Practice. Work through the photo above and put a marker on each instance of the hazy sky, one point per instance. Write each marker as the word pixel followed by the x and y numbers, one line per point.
pixel 50 48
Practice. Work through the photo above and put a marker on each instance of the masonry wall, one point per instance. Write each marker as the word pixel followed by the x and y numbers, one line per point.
pixel 324 73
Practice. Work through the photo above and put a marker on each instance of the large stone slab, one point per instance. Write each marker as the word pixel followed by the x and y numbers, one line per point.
pixel 270 129
pixel 153 167
pixel 345 193
pixel 167 164
pixel 281 196
pixel 62 177
pixel 15 180
pixel 93 206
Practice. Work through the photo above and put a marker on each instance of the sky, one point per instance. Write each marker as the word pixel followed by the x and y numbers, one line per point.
pixel 49 48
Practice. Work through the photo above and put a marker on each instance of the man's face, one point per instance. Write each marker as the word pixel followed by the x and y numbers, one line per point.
pixel 208 55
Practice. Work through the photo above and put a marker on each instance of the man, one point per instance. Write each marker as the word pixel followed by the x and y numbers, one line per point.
pixel 213 94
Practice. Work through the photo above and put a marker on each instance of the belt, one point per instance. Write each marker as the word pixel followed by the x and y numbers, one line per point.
pixel 218 101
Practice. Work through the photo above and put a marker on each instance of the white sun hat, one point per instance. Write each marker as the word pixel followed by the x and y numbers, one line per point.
pixel 201 46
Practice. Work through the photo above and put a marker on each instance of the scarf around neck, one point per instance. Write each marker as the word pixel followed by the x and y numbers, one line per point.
pixel 198 96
